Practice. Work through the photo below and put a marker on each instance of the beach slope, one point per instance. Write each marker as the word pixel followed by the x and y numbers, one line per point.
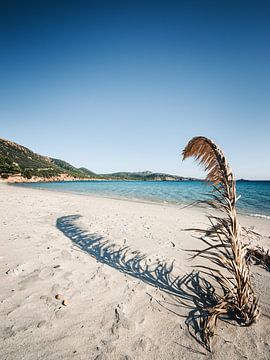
pixel 93 278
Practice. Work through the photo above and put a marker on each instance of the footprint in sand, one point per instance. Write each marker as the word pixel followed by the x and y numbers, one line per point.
pixel 8 332
pixel 55 289
pixel 47 299
pixel 120 321
pixel 67 275
pixel 66 255
pixel 29 280
pixel 144 344
pixel 46 272
pixel 41 324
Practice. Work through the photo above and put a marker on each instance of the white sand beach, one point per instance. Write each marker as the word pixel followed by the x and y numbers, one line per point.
pixel 74 284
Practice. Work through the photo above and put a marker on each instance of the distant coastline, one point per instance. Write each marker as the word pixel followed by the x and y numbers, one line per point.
pixel 20 164
pixel 67 178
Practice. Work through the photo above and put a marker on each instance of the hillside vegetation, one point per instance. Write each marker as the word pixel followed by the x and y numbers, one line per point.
pixel 18 160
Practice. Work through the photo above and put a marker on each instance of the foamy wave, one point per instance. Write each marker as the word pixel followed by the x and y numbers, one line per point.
pixel 260 216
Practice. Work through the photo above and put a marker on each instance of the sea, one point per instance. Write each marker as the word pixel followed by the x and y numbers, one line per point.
pixel 254 195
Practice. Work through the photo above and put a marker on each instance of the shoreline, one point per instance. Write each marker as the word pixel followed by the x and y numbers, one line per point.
pixel 92 278
pixel 135 200
pixel 241 212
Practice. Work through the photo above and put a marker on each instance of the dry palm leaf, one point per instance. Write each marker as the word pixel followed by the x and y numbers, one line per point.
pixel 259 256
pixel 224 247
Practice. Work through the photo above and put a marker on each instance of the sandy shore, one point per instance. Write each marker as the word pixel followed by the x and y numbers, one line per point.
pixel 117 305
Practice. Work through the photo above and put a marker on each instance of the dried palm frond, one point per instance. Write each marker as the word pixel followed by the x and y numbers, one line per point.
pixel 224 247
pixel 259 256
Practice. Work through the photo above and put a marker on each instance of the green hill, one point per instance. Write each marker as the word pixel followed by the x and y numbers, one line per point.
pixel 18 160
pixel 72 170
pixel 145 175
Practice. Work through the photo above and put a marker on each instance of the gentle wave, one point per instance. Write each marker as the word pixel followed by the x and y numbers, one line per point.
pixel 260 216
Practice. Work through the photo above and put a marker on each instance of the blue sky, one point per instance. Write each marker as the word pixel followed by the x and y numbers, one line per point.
pixel 124 85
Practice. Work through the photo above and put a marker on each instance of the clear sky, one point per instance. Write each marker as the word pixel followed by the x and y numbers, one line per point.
pixel 116 86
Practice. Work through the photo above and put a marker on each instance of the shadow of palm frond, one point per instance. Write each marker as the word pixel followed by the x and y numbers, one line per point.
pixel 189 291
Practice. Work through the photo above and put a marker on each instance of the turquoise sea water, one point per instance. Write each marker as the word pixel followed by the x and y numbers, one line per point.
pixel 255 195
